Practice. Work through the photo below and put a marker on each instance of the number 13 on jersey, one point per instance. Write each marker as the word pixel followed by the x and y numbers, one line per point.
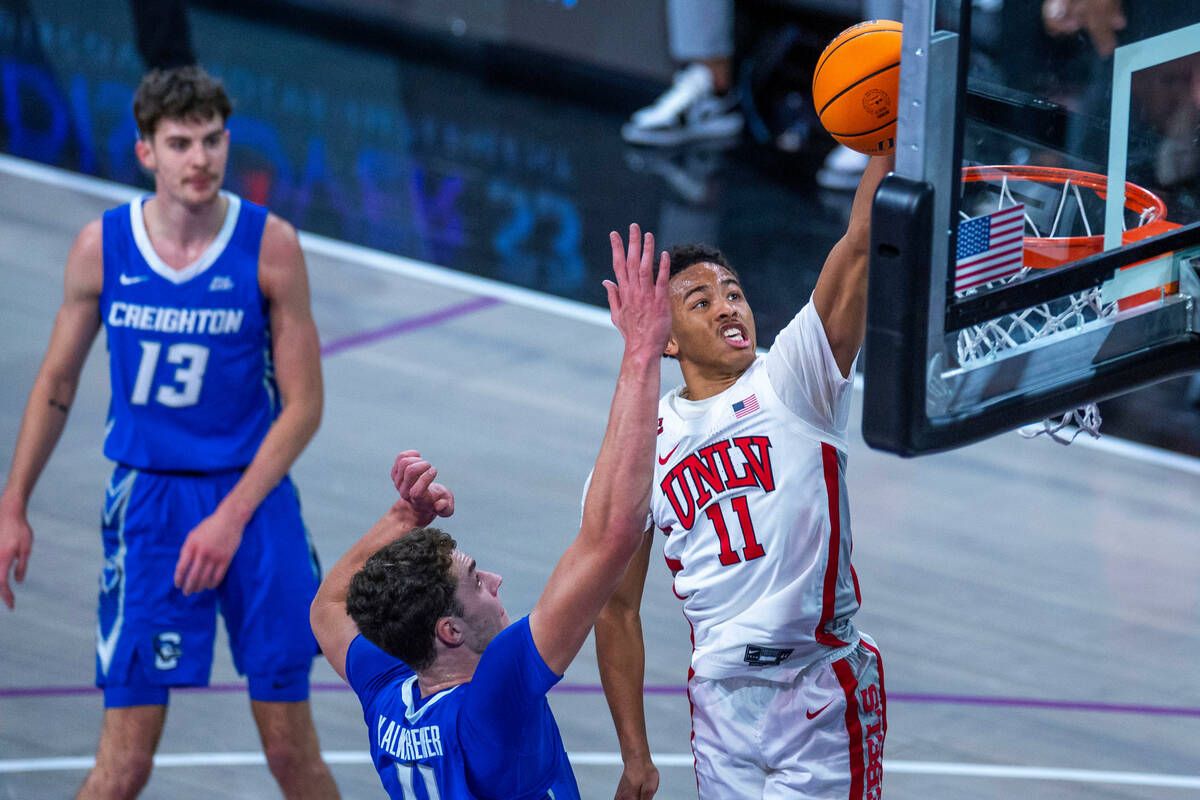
pixel 184 387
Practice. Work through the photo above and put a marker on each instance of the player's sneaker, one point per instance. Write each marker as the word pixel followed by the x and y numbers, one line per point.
pixel 689 110
pixel 842 169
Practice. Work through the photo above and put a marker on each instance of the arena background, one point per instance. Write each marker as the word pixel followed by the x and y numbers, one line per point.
pixel 457 167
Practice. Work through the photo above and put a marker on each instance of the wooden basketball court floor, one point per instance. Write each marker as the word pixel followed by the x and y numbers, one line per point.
pixel 1036 605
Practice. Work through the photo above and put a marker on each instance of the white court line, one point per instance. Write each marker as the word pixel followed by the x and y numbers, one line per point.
pixel 526 298
pixel 332 248
pixel 16 765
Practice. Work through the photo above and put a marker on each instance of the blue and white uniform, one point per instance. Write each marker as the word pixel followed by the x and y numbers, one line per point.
pixel 193 396
pixel 493 737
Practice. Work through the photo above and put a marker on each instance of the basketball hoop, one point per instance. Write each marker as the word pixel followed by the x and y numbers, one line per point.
pixel 1064 235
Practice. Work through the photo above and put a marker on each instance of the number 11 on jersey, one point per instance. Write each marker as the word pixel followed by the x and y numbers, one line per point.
pixel 407 773
pixel 741 508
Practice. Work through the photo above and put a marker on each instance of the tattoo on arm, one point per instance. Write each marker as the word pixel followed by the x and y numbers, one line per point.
pixel 63 407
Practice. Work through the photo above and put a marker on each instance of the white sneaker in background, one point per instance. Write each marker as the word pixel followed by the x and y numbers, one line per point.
pixel 842 169
pixel 689 110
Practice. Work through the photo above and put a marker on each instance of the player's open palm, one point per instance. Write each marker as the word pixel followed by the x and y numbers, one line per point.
pixel 639 301
pixel 207 552
pixel 639 781
pixel 414 480
pixel 16 543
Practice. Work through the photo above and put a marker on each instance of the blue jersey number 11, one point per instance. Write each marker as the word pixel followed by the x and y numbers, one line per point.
pixel 184 388
pixel 407 773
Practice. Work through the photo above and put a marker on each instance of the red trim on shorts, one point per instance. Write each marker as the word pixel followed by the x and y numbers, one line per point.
pixel 882 690
pixel 829 595
pixel 673 564
pixel 845 676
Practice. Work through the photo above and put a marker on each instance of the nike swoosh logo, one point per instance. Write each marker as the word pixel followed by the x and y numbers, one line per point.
pixel 662 460
pixel 130 280
pixel 817 713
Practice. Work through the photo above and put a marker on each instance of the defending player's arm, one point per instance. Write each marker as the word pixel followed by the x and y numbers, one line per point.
pixel 296 353
pixel 53 391
pixel 840 295
pixel 420 501
pixel 621 653
pixel 617 501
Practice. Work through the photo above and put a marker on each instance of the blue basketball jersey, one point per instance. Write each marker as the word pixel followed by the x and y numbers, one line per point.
pixel 493 737
pixel 189 350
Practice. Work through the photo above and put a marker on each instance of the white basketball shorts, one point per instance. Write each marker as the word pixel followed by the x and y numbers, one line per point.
pixel 816 738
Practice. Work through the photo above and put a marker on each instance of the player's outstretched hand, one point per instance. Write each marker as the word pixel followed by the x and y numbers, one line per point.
pixel 16 543
pixel 413 477
pixel 639 301
pixel 639 781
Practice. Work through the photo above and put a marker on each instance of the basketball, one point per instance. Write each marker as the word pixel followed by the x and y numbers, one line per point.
pixel 856 86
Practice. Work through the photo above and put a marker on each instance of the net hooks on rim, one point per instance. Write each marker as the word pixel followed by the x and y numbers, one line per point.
pixel 1047 252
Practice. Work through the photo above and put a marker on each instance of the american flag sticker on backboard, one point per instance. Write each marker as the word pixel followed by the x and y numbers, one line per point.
pixel 744 408
pixel 989 248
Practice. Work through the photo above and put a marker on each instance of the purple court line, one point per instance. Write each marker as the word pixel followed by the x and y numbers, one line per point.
pixel 407 325
pixel 595 688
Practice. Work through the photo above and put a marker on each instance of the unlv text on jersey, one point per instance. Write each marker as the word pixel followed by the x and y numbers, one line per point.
pixel 712 470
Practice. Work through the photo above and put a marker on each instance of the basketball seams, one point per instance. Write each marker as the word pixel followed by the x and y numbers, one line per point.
pixel 874 74
pixel 863 133
pixel 856 87
pixel 836 45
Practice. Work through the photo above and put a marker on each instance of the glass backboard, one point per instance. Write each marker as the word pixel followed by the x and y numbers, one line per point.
pixel 1038 246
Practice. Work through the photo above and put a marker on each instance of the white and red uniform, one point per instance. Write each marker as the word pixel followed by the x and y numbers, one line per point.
pixel 750 493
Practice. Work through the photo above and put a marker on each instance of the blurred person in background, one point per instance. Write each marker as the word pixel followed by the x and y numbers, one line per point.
pixel 701 102
pixel 216 388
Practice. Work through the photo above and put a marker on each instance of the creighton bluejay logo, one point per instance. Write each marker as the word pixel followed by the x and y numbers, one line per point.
pixel 167 650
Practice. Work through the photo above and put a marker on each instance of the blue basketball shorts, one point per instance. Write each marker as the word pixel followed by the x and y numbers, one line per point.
pixel 151 637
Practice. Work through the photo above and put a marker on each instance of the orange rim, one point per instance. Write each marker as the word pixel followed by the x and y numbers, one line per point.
pixel 1045 252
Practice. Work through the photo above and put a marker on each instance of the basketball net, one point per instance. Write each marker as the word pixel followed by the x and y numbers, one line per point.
pixel 1060 317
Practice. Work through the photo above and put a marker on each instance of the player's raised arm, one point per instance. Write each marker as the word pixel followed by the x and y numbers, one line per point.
pixel 617 502
pixel 420 501
pixel 840 296
pixel 50 399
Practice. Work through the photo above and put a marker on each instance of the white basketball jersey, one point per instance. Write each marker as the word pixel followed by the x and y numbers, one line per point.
pixel 750 494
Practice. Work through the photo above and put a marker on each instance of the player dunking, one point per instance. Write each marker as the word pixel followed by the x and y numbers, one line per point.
pixel 454 696
pixel 749 494
pixel 216 389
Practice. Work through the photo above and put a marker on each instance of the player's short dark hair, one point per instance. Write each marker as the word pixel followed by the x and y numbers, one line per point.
pixel 685 255
pixel 183 93
pixel 402 591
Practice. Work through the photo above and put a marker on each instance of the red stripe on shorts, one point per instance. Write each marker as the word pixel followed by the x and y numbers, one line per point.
pixel 849 683
pixel 882 690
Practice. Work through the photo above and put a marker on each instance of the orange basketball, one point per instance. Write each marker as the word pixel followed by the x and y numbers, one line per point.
pixel 856 86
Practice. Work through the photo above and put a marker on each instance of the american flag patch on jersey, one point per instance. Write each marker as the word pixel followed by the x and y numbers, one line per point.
pixel 744 408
